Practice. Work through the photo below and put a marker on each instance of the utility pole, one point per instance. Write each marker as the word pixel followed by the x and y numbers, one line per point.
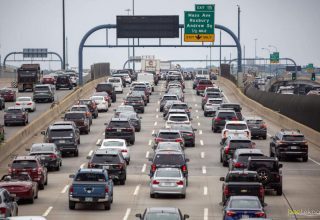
pixel 220 48
pixel 67 60
pixel 63 35
pixel 255 47
pixel 133 51
pixel 239 22
pixel 128 10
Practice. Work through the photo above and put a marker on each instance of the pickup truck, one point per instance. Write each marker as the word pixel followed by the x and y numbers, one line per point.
pixel 91 186
pixel 202 85
pixel 43 92
pixel 242 183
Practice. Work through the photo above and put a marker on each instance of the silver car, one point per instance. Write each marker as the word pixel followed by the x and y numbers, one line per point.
pixel 168 181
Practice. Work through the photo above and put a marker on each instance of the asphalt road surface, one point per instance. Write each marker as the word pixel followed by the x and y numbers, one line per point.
pixel 300 180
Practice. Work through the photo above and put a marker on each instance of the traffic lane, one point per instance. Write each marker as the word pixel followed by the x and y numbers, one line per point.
pixel 40 108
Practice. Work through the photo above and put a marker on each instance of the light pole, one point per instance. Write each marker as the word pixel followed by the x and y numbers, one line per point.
pixel 255 47
pixel 269 56
pixel 133 51
pixel 276 49
pixel 239 21
pixel 63 36
pixel 128 10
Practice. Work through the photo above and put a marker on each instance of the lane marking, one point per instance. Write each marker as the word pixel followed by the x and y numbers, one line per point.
pixel 155 123
pixel 147 154
pixel 160 93
pixel 90 153
pixel 197 116
pixel 46 213
pixel 316 162
pixel 150 142
pixel 204 170
pixel 269 135
pixel 197 110
pixel 136 191
pixel 201 142
pixel 144 167
pixel 196 105
pixel 200 132
pixel 82 165
pixel 198 123
pixel 152 132
pixel 205 190
pixel 103 133
pixel 126 215
pixel 158 102
pixel 205 214
pixel 157 110
pixel 202 155
pixel 98 142
pixel 157 116
pixel 224 95
pixel 64 190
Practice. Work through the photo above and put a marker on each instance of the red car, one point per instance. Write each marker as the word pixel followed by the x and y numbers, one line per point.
pixel 202 85
pixel 8 94
pixel 48 79
pixel 20 186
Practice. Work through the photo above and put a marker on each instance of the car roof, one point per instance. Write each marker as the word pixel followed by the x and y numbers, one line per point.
pixel 106 152
pixel 169 143
pixel 163 209
pixel 60 127
pixel 91 170
pixel 244 197
pixel 168 130
pixel 168 169
pixel 25 158
pixel 109 140
pixel 43 144
pixel 168 152
pixel 179 115
pixel 248 151
pixel 236 122
pixel 85 106
pixel 242 171
pixel 73 112
pixel 119 119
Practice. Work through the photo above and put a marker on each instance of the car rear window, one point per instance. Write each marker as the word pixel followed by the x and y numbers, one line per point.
pixel 169 135
pixel 170 98
pixel 244 157
pixel 226 115
pixel 245 204
pixel 236 126
pixel 19 164
pixel 22 99
pixel 104 87
pixel 168 173
pixel 169 159
pixel 84 102
pixel 41 88
pixel 80 109
pixel 74 116
pixel 14 111
pixel 254 122
pixel 293 138
pixel 271 165
pixel 61 133
pixel 242 177
pixel 205 82
pixel 115 80
pixel 179 106
pixel 119 124
pixel 235 107
pixel 112 144
pixel 90 177
pixel 213 95
pixel 240 144
pixel 134 98
pixel 106 158
pixel 215 101
pixel 162 216
pixel 42 148
pixel 178 118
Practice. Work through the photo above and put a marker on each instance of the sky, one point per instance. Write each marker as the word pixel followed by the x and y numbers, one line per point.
pixel 292 26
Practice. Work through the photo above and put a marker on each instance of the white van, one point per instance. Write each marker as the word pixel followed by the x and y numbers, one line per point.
pixel 146 77
pixel 117 83
pixel 203 72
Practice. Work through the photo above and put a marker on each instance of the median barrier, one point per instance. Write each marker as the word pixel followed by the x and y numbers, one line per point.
pixel 23 136
pixel 280 120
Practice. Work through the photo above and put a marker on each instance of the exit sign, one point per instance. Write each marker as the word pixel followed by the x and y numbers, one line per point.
pixel 204 8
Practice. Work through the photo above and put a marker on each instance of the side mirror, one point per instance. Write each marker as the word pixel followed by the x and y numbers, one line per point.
pixel 88 157
pixel 27 149
pixel 195 129
pixel 186 216
pixel 280 165
pixel 222 179
pixel 187 160
pixel 139 216
pixel 43 132
pixel 71 176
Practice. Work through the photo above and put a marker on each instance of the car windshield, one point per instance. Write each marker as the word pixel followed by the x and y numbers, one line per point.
pixel 168 173
pixel 178 118
pixel 162 216
pixel 169 135
pixel 125 108
pixel 106 158
pixel 90 177
pixel 236 126
pixel 19 164
pixel 240 144
pixel 293 138
pixel 242 177
pixel 169 159
pixel 61 133
pixel 74 116
pixel 119 124
pixel 97 98
pixel 215 101
pixel 85 102
pixel 113 144
pixel 168 147
pixel 37 148
pixel 244 204
pixel 24 99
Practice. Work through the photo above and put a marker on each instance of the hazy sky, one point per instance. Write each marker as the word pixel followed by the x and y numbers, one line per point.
pixel 290 25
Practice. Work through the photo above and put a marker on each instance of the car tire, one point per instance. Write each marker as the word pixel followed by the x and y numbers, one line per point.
pixel 183 196
pixel 225 163
pixel 46 182
pixel 279 191
pixel 41 186
pixel 76 153
pixel 122 182
pixel 193 144
pixel 264 175
pixel 264 137
pixel 221 158
pixel 305 158
pixel 36 196
pixel 205 114
pixel 142 111
pixel 132 142
pixel 5 124
pixel 31 200
pixel 58 167
pixel 271 153
pixel 152 195
pixel 128 162
pixel 72 205
pixel 107 206
pixel 198 93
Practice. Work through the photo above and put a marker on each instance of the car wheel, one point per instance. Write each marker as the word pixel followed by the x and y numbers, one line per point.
pixel 152 195
pixel 41 186
pixel 305 158
pixel 128 162
pixel 122 182
pixel 205 114
pixel 36 196
pixel 279 190
pixel 58 167
pixel 198 93
pixel 72 205
pixel 31 200
pixel 221 158
pixel 224 163
pixel 142 111
pixel 107 205
pixel 76 153
pixel 193 144
pixel 46 182
pixel 264 137
pixel 5 124
pixel 183 196
pixel 271 153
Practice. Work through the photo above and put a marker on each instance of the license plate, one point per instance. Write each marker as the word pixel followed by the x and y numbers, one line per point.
pixel 62 141
pixel 105 167
pixel 118 130
pixel 13 116
pixel 245 216
pixel 167 184
pixel 244 191
pixel 43 157
pixel 294 148
pixel 88 199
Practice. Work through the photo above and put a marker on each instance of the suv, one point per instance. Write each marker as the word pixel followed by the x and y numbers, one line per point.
pixel 44 92
pixel 219 120
pixel 166 135
pixel 289 143
pixel 240 158
pixel 83 108
pixel 80 119
pixel 8 205
pixel 16 115
pixel 63 81
pixel 109 88
pixel 136 102
pixel 91 105
pixel 257 127
pixel 64 136
pixel 111 160
pixel 236 107
pixel 31 165
pixel 235 127
pixel 120 128
pixel 268 169
pixel 165 98
pixel 208 95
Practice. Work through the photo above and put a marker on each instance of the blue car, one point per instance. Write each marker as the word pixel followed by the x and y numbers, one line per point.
pixel 243 207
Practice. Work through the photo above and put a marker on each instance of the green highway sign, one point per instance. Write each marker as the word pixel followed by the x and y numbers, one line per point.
pixel 199 26
pixel 310 68
pixel 204 8
pixel 274 57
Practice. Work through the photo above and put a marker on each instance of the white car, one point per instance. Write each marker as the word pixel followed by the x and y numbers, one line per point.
pixel 117 83
pixel 26 103
pixel 117 144
pixel 239 128
pixel 102 104
pixel 177 119
pixel 211 106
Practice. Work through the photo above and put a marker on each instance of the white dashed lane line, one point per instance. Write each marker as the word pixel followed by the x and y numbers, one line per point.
pixel 150 142
pixel 82 165
pixel 98 141
pixel 204 170
pixel 198 123
pixel 144 167
pixel 64 190
pixel 205 190
pixel 126 215
pixel 200 132
pixel 201 142
pixel 147 154
pixel 90 153
pixel 205 213
pixel 46 213
pixel 202 155
pixel 136 191
pixel 155 123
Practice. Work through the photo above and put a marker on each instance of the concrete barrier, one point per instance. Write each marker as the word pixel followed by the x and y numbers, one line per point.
pixel 280 120
pixel 44 120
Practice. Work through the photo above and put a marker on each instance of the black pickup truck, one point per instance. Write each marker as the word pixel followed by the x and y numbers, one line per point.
pixel 242 183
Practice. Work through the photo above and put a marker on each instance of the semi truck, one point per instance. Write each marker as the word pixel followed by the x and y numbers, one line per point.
pixel 28 75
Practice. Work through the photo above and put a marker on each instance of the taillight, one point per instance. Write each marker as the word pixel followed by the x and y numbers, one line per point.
pixel 230 213
pixel 238 165
pixel 124 151
pixel 226 190
pixel 184 168
pixel 128 129
pixel 260 214
pixel 158 140
pixel 226 149
pixel 263 126
pixel 106 189
pixel 155 182
pixel 120 166
pixel 53 156
pixel 180 183
pixel 234 119
pixel 108 129
pixel 261 191
pixel 218 119
pixel 190 134
pixel 3 212
pixel 71 189
pixel 29 103
pixel 17 103
pixel 125 102
pixel 90 165
pixel 179 140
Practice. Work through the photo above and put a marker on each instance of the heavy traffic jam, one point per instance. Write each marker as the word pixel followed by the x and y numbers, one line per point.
pixel 121 104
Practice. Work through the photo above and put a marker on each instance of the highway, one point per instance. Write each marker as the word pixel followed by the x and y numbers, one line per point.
pixel 300 187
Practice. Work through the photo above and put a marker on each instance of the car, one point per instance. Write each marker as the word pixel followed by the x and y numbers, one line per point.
pixel 187 132
pixel 243 207
pixel 165 98
pixel 82 108
pixel 178 92
pixel 112 161
pixel 168 181
pixel 74 77
pixel 156 213
pixel 15 115
pixel 27 103
pixel 120 128
pixel 134 119
pixel 220 118
pixel 124 108
pixel 175 111
pixel 236 107
pixel 117 144
pixel 2 103
pixel 75 128
pixel 202 85
pixel 236 128
pixel 120 76
pixel 211 106
pixel 8 204
pixel 168 146
pixel 181 105
pixel 142 88
pixel 43 93
pixel 91 186
pixel 177 119
pixel 136 102
pixel 231 144
pixel 168 105
pixel 101 103
pixel 109 88
pixel 20 186
pixel 167 135
pixel 257 127
pixel 268 169
pixel 63 81
pixel 126 76
pixel 146 77
pixel 208 95
pixel 142 94
pixel 196 81
pixel 30 164
pixel 105 95
pixel 48 79
pixel 241 156
pixel 80 119
pixel 92 105
pixel 117 83
pixel 1 133
pixel 65 137
pixel 289 143
pixel 9 95
pixel 169 159
pixel 49 155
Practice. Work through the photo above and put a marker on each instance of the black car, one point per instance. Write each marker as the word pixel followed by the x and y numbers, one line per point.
pixel 142 94
pixel 2 103
pixel 220 118
pixel 268 169
pixel 49 154
pixel 289 143
pixel 109 88
pixel 15 115
pixel 257 127
pixel 120 128
pixel 136 102
pixel 187 132
pixel 64 81
pixel 142 88
pixel 112 161
pixel 236 107
pixel 174 159
pixel 134 119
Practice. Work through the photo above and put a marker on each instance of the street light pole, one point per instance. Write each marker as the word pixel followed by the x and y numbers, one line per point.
pixel 255 47
pixel 239 22
pixel 63 35
pixel 128 10
pixel 133 51
pixel 269 56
